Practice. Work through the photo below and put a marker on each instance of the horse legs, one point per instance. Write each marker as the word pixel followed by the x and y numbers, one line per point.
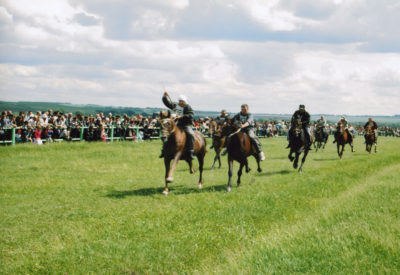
pixel 341 151
pixel 167 162
pixel 215 160
pixel 258 166
pixel 240 173
pixel 302 161
pixel 375 147
pixel 290 155
pixel 201 162
pixel 296 160
pixel 170 177
pixel 230 169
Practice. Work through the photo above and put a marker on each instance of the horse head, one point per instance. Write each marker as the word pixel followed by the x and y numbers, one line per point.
pixel 229 127
pixel 298 126
pixel 369 130
pixel 341 127
pixel 167 123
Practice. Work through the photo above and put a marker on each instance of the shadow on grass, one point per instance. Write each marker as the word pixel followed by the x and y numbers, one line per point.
pixel 271 173
pixel 120 194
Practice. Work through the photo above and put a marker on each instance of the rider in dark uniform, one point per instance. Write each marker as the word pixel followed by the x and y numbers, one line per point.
pixel 374 126
pixel 304 116
pixel 185 115
pixel 246 125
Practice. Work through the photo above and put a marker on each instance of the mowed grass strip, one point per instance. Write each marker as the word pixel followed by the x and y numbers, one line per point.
pixel 97 208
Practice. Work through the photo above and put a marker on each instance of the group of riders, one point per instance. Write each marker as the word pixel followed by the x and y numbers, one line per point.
pixel 184 116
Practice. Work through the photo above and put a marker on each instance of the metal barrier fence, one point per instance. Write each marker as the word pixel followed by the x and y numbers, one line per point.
pixel 13 135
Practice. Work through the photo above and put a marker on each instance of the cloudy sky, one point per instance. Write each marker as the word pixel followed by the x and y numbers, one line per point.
pixel 334 56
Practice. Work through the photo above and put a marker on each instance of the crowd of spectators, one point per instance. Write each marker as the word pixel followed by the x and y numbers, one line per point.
pixel 53 125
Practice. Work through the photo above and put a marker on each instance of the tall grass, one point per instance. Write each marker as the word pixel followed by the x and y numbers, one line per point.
pixel 97 208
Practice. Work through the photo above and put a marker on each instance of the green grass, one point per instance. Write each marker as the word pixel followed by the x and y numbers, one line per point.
pixel 90 208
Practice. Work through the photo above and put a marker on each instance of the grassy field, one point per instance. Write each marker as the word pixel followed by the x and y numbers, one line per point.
pixel 95 208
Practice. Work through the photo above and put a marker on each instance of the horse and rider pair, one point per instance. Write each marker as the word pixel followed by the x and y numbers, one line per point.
pixel 180 142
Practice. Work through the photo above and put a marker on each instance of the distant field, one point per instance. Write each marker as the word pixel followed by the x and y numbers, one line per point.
pixel 95 208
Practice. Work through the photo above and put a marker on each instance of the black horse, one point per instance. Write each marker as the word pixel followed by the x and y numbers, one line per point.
pixel 369 139
pixel 321 137
pixel 298 144
pixel 239 147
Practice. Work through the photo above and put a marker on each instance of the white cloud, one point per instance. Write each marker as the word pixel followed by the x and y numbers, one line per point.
pixel 333 56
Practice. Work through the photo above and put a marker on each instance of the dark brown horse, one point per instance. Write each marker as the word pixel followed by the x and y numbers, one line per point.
pixel 298 144
pixel 369 139
pixel 218 141
pixel 342 138
pixel 174 148
pixel 321 137
pixel 239 148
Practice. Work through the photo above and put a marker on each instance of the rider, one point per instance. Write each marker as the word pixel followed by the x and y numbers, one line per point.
pixel 246 125
pixel 374 126
pixel 344 122
pixel 221 120
pixel 304 116
pixel 185 115
pixel 321 123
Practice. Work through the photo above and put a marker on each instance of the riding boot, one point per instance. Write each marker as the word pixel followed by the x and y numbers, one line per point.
pixel 189 140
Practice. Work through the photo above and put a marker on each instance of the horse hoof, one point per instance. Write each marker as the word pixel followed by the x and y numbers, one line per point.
pixel 200 186
pixel 228 189
pixel 170 179
pixel 192 171
pixel 259 170
pixel 165 193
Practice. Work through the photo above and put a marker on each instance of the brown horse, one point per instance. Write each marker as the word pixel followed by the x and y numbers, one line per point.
pixel 239 148
pixel 342 138
pixel 218 141
pixel 369 139
pixel 174 148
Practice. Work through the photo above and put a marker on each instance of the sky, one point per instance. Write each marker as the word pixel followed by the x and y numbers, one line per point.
pixel 334 56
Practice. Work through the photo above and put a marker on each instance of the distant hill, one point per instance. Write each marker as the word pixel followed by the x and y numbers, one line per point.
pixel 393 121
